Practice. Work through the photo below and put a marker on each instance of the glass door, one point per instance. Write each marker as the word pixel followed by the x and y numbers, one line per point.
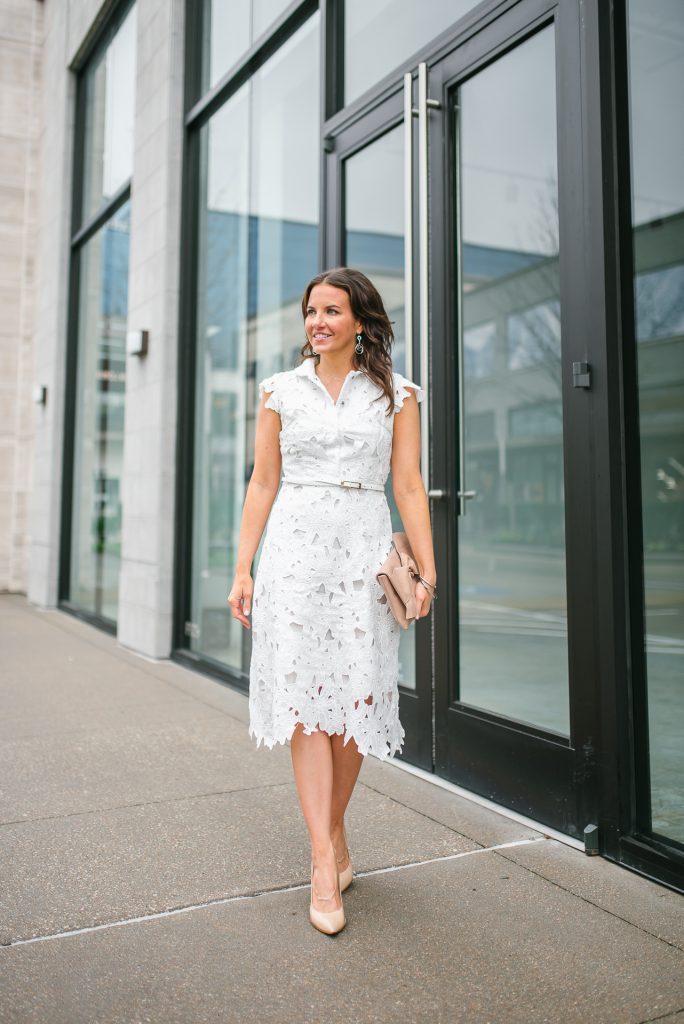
pixel 514 711
pixel 457 194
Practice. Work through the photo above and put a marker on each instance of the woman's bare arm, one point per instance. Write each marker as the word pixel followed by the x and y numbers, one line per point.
pixel 409 493
pixel 259 498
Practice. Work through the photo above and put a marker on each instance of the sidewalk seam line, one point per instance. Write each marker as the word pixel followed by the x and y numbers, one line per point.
pixel 664 1016
pixel 415 810
pixel 142 803
pixel 585 899
pixel 255 895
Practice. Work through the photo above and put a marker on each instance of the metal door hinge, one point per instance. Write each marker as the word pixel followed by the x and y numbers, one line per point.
pixel 581 375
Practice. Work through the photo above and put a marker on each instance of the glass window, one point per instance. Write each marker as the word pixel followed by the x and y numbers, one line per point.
pixel 109 85
pixel 656 67
pixel 230 29
pixel 512 585
pixel 99 420
pixel 258 248
pixel 374 244
pixel 379 35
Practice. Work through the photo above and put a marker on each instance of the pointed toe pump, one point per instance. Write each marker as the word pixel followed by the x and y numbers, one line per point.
pixel 347 875
pixel 331 922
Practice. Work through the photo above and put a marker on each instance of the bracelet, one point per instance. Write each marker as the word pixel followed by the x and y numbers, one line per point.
pixel 432 586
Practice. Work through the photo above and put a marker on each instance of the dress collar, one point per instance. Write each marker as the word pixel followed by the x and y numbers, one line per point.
pixel 307 369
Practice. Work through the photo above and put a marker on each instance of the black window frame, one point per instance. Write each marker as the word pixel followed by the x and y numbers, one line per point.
pixel 81 231
pixel 198 111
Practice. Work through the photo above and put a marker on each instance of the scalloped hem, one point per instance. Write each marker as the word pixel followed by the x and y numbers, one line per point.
pixel 389 748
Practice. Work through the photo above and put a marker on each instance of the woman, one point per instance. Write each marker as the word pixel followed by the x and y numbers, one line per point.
pixel 325 645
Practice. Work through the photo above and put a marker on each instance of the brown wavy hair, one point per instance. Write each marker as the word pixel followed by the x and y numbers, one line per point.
pixel 367 307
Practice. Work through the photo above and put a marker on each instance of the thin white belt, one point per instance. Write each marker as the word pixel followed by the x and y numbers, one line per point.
pixel 354 484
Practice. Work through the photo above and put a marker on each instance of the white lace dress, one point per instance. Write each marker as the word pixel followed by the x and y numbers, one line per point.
pixel 325 645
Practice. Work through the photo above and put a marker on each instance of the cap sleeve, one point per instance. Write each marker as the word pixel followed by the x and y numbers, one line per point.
pixel 271 385
pixel 401 386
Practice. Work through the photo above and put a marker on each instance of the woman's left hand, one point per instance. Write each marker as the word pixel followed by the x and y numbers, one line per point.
pixel 423 600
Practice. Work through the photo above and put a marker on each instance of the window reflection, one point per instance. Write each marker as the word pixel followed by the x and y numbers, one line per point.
pixel 258 247
pixel 380 34
pixel 109 86
pixel 656 64
pixel 99 426
pixel 512 594
pixel 229 29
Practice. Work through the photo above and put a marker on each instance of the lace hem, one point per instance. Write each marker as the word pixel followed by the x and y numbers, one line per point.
pixel 380 746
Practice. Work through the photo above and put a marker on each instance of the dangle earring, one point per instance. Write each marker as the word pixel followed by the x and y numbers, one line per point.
pixel 359 347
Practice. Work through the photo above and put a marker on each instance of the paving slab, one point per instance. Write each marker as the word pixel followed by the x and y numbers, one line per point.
pixel 76 674
pixel 155 867
pixel 174 708
pixel 47 776
pixel 86 869
pixel 645 904
pixel 466 940
pixel 465 816
pixel 32 674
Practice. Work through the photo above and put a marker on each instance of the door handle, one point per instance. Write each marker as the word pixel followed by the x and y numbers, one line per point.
pixel 463 494
pixel 424 105
pixel 408 224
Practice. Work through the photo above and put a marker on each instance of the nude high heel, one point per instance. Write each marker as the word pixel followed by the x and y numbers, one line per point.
pixel 346 876
pixel 331 922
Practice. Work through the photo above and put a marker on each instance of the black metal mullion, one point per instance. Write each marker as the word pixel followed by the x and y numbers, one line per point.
pixel 102 215
pixel 103 31
pixel 334 57
pixel 327 65
pixel 80 234
pixel 187 343
pixel 633 752
pixel 619 583
pixel 253 58
pixel 582 328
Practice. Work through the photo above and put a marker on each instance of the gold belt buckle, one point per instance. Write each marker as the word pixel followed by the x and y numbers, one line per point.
pixel 350 483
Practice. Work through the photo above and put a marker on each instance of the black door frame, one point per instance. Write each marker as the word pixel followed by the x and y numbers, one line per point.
pixel 527 769
pixel 625 818
pixel 530 770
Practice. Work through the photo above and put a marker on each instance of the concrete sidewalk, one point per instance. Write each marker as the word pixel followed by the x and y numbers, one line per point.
pixel 154 866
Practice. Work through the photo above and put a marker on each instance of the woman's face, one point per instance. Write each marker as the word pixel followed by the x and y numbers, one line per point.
pixel 330 325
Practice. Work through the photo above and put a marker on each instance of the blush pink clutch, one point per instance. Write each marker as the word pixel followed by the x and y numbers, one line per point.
pixel 398 576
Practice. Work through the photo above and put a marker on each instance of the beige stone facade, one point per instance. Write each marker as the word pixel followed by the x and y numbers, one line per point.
pixel 21 36
pixel 44 44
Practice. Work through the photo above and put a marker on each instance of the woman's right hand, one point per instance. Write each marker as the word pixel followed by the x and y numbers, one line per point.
pixel 240 598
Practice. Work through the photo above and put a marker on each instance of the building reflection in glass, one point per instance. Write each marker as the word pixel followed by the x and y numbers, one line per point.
pixel 99 424
pixel 258 247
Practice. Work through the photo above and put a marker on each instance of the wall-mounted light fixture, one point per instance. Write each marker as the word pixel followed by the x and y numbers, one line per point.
pixel 40 394
pixel 137 343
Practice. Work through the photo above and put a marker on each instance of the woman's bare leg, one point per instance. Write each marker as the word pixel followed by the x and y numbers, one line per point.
pixel 347 763
pixel 312 761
